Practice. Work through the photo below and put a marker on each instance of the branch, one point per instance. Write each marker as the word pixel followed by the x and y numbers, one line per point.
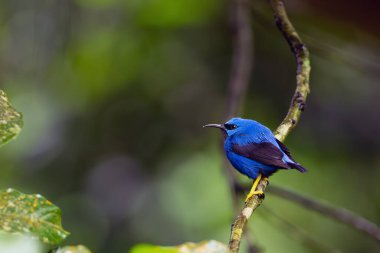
pixel 339 214
pixel 296 107
pixel 301 54
pixel 241 220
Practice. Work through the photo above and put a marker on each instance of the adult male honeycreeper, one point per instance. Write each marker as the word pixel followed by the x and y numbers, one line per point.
pixel 254 151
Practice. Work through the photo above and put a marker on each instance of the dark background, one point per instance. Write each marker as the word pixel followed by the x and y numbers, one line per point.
pixel 114 94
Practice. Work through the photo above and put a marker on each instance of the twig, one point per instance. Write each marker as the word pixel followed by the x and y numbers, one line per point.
pixel 241 220
pixel 335 213
pixel 301 54
pixel 296 107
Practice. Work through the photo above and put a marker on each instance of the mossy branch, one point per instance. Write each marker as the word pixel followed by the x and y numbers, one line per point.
pixel 301 54
pixel 241 220
pixel 296 107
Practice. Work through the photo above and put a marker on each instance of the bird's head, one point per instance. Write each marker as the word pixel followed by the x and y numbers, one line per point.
pixel 233 126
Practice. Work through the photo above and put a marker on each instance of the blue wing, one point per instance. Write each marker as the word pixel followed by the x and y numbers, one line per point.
pixel 268 154
pixel 263 152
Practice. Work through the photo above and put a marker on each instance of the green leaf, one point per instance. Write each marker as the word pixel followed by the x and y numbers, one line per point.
pixel 189 247
pixel 10 120
pixel 73 249
pixel 31 214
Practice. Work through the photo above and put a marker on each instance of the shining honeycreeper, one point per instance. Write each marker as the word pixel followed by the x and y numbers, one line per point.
pixel 254 151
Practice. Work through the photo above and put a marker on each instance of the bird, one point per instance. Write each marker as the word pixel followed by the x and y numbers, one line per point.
pixel 254 151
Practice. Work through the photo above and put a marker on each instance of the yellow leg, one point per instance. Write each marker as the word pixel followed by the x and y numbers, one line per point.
pixel 253 189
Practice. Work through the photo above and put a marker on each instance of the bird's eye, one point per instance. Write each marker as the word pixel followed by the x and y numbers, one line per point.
pixel 230 126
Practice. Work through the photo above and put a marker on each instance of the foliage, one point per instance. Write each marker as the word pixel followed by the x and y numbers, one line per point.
pixel 30 215
pixel 27 213
pixel 10 120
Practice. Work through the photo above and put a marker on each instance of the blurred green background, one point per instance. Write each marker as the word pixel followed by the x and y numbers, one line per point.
pixel 114 94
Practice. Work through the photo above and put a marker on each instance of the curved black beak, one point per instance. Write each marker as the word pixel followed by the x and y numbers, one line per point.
pixel 220 126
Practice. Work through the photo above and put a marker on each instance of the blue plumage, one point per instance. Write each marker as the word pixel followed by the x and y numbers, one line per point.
pixel 253 149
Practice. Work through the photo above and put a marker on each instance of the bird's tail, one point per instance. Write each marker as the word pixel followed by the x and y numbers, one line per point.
pixel 298 167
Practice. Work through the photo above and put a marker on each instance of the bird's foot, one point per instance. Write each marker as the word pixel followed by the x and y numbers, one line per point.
pixel 253 193
pixel 254 186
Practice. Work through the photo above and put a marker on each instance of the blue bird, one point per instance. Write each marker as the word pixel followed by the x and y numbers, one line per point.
pixel 254 151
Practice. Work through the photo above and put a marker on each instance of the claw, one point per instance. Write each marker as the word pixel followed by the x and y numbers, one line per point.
pixel 253 189
pixel 253 193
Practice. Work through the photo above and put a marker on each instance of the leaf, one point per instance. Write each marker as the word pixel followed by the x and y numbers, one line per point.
pixel 10 120
pixel 73 249
pixel 31 214
pixel 211 246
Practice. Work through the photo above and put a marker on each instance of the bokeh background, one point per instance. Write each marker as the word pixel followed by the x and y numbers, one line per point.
pixel 114 94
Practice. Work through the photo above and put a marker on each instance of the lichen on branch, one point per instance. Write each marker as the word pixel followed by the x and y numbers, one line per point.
pixel 241 220
pixel 302 57
pixel 296 107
